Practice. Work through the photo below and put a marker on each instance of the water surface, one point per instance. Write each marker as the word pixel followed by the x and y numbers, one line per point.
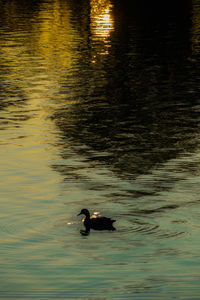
pixel 99 108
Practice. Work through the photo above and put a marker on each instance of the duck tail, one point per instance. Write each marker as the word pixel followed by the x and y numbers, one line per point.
pixel 113 228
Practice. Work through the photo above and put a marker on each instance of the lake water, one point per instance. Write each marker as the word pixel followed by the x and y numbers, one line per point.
pixel 99 109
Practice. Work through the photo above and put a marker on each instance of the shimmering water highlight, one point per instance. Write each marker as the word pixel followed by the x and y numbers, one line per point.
pixel 99 109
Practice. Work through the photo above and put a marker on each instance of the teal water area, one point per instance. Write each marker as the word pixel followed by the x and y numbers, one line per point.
pixel 99 109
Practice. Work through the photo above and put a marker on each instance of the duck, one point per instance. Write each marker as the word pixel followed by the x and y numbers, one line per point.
pixel 96 222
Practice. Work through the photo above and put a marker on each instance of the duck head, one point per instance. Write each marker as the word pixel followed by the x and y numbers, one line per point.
pixel 85 212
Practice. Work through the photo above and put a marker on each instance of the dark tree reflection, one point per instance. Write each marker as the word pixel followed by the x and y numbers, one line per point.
pixel 135 96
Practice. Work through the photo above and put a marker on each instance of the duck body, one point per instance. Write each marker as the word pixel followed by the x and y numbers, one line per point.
pixel 96 222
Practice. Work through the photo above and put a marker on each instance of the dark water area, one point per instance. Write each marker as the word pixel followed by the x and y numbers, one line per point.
pixel 139 97
pixel 99 109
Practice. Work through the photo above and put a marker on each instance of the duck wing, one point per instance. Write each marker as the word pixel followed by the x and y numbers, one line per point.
pixel 101 223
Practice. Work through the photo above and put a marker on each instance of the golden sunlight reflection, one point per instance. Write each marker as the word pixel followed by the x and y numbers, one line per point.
pixel 37 58
pixel 102 23
pixel 56 38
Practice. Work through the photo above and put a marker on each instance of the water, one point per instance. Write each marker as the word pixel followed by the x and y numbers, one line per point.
pixel 99 109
